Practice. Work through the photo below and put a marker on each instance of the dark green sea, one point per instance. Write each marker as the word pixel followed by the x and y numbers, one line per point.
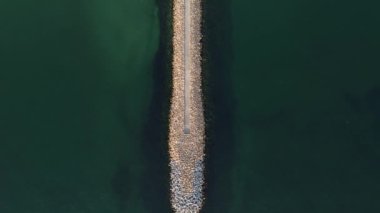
pixel 291 92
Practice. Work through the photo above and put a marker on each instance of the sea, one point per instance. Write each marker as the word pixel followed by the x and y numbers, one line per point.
pixel 291 95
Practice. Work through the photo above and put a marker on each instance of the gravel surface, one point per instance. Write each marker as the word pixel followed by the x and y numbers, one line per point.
pixel 186 150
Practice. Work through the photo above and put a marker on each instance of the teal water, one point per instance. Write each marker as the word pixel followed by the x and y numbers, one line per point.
pixel 304 104
pixel 292 97
pixel 76 84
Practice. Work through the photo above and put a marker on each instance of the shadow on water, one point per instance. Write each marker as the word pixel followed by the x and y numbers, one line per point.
pixel 219 103
pixel 154 183
pixel 155 180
